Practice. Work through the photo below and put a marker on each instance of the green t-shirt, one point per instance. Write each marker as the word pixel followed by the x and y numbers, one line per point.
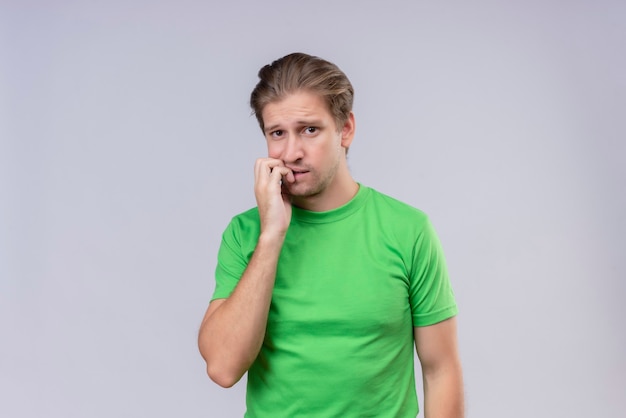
pixel 350 286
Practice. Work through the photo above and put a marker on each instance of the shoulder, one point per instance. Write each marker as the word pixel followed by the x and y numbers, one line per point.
pixel 246 223
pixel 249 216
pixel 392 208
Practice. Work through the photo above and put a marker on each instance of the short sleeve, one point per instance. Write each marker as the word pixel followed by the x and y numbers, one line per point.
pixel 231 262
pixel 430 292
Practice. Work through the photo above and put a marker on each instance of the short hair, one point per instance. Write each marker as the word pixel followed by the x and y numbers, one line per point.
pixel 302 72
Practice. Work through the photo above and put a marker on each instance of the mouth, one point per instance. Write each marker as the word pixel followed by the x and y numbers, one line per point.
pixel 298 173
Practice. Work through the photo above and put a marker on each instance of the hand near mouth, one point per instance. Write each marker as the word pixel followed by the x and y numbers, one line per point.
pixel 271 180
pixel 297 171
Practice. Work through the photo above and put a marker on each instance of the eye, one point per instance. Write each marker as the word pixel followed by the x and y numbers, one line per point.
pixel 310 130
pixel 276 134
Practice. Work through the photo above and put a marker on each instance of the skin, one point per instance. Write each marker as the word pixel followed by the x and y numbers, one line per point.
pixel 306 167
pixel 302 137
pixel 437 349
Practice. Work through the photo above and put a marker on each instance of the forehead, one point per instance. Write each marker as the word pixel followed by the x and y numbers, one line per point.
pixel 294 107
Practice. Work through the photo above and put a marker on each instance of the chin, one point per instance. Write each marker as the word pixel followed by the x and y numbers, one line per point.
pixel 302 191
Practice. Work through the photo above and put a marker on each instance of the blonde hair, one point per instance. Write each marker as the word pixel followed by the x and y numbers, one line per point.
pixel 297 72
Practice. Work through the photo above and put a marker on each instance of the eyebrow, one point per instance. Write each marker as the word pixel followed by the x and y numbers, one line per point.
pixel 271 128
pixel 311 122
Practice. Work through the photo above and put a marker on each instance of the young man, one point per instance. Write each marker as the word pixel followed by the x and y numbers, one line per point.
pixel 324 288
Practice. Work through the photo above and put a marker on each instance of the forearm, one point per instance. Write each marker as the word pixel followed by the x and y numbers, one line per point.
pixel 443 393
pixel 231 335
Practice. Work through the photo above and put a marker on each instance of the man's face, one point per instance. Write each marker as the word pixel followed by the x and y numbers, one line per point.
pixel 301 132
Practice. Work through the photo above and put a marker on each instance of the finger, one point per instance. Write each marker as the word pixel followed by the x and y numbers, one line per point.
pixel 262 171
pixel 279 172
pixel 264 166
pixel 290 177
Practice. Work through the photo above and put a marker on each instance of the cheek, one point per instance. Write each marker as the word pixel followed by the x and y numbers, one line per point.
pixel 273 151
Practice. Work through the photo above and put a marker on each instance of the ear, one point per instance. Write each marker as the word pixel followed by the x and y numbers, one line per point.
pixel 347 132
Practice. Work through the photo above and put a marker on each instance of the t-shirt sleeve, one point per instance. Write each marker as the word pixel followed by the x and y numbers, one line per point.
pixel 430 292
pixel 231 262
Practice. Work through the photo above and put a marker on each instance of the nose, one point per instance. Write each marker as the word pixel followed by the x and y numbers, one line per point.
pixel 293 149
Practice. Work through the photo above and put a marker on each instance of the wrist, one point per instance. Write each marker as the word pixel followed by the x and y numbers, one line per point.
pixel 271 238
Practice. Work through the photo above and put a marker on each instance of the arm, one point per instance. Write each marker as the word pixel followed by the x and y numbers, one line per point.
pixel 441 369
pixel 232 331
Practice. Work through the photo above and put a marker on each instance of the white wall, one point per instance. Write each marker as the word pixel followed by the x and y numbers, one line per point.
pixel 126 145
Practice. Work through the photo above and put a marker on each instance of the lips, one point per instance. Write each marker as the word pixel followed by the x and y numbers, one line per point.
pixel 298 172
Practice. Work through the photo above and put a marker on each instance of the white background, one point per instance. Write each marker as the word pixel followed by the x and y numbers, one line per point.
pixel 126 145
